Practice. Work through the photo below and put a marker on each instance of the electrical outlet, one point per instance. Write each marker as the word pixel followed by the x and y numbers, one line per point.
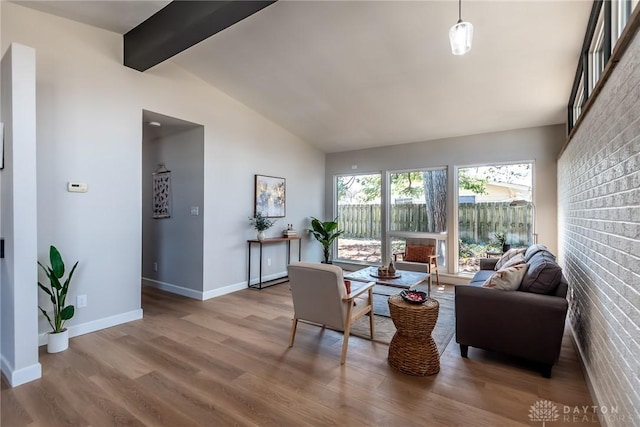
pixel 155 266
pixel 269 261
pixel 81 301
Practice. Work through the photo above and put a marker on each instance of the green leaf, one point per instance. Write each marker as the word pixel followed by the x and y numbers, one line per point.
pixel 44 288
pixel 67 313
pixel 48 318
pixel 57 265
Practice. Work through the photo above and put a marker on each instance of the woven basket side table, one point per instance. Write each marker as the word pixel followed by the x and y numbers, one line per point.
pixel 412 350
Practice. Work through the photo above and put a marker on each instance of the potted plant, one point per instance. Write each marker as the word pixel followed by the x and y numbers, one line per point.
pixel 58 338
pixel 261 223
pixel 325 232
pixel 501 238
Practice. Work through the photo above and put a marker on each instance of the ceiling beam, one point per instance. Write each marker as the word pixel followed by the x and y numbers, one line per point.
pixel 180 25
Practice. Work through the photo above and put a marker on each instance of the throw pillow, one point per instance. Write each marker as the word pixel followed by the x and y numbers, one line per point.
pixel 414 253
pixel 517 259
pixel 507 256
pixel 506 279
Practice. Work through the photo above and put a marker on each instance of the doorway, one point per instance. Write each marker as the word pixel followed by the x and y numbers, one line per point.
pixel 172 204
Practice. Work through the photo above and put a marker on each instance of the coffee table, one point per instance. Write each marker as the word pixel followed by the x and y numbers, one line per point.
pixel 407 279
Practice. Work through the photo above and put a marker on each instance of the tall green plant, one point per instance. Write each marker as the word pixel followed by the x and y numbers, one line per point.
pixel 57 290
pixel 325 232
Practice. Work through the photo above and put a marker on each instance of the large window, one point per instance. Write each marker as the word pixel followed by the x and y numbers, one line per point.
pixel 493 200
pixel 418 209
pixel 359 216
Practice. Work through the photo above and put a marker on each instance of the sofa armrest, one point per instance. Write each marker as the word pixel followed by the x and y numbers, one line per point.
pixel 488 263
pixel 522 324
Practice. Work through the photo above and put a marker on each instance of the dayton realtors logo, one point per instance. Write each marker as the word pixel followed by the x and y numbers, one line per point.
pixel 543 411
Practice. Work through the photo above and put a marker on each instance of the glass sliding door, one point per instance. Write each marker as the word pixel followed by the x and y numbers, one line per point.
pixel 493 200
pixel 359 216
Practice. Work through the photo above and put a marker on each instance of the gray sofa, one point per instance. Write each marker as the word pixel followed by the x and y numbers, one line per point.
pixel 526 323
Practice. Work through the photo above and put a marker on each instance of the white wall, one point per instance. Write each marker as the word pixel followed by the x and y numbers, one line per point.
pixel 599 217
pixel 89 108
pixel 541 145
pixel 19 267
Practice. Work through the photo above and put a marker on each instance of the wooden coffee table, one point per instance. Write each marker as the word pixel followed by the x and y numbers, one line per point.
pixel 406 280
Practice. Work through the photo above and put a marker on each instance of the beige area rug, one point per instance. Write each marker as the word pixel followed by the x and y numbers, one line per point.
pixel 383 326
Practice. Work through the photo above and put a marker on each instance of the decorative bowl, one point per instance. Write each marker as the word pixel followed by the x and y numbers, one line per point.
pixel 414 297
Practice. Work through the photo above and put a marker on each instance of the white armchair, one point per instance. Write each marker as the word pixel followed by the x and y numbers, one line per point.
pixel 320 296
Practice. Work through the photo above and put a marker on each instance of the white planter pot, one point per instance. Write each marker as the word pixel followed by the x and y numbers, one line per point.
pixel 261 235
pixel 57 342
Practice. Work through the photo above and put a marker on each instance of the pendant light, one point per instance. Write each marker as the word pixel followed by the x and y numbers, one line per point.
pixel 461 34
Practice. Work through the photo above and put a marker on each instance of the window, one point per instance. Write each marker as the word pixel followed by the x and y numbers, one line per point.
pixel 359 216
pixel 579 100
pixel 620 13
pixel 493 199
pixel 418 209
pixel 596 53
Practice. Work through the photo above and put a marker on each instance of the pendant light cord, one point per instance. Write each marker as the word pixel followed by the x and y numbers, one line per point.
pixel 459 10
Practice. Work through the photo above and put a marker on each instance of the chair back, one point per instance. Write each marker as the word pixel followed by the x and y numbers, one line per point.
pixel 422 242
pixel 317 291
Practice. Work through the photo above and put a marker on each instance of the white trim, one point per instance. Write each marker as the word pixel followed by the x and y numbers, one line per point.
pixel 213 293
pixel 174 289
pixel 20 376
pixel 96 325
pixel 588 374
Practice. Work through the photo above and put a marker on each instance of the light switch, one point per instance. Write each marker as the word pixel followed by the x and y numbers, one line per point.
pixel 195 210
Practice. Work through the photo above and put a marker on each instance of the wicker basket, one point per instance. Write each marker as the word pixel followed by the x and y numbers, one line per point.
pixel 412 350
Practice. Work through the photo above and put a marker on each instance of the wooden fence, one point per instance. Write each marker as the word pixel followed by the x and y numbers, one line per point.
pixel 476 221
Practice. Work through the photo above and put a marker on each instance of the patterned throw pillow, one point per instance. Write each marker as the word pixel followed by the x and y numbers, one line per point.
pixel 418 253
pixel 507 279
pixel 517 259
pixel 507 256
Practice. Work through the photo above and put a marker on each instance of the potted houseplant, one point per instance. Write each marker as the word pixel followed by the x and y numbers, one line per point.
pixel 261 223
pixel 58 338
pixel 325 232
pixel 501 238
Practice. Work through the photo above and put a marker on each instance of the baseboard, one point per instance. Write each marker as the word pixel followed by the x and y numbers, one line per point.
pixel 20 376
pixel 213 293
pixel 593 390
pixel 96 325
pixel 174 289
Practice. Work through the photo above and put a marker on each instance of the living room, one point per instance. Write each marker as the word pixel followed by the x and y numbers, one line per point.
pixel 90 128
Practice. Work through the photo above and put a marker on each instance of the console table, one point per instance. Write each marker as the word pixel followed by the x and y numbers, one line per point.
pixel 269 241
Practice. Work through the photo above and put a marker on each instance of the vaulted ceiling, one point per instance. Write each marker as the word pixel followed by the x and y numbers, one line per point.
pixel 358 74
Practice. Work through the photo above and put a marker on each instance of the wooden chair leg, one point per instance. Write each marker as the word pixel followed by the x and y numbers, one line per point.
pixel 292 336
pixel 347 331
pixel 371 312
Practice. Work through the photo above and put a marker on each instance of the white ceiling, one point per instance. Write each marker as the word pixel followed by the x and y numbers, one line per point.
pixel 346 75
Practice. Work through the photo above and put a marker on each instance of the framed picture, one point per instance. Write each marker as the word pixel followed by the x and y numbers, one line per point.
pixel 270 196
pixel 162 194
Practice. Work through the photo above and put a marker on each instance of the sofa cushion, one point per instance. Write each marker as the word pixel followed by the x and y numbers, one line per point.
pixel 534 249
pixel 507 279
pixel 543 274
pixel 480 277
pixel 507 256
pixel 415 253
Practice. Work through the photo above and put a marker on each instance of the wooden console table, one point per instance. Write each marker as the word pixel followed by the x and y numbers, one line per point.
pixel 268 241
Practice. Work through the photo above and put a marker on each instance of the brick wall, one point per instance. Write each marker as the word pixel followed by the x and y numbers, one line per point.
pixel 599 239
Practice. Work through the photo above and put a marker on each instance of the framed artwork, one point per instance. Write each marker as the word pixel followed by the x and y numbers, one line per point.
pixel 162 194
pixel 270 196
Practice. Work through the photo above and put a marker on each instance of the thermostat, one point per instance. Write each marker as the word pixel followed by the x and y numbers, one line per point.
pixel 77 187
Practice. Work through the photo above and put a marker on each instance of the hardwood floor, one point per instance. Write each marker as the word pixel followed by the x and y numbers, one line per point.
pixel 226 362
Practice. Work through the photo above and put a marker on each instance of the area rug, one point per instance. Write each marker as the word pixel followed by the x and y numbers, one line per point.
pixel 383 326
